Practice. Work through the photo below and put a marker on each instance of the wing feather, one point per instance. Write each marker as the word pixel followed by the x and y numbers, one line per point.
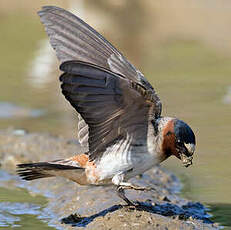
pixel 118 111
pixel 82 131
pixel 73 39
pixel 115 90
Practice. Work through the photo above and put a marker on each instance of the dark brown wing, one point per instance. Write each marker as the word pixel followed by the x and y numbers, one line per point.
pixel 73 39
pixel 112 106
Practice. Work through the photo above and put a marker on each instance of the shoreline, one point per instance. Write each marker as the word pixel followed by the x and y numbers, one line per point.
pixel 98 207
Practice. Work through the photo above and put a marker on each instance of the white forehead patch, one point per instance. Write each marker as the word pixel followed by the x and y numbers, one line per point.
pixel 190 147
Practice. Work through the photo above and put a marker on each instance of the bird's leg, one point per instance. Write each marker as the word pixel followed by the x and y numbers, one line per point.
pixel 121 194
pixel 121 186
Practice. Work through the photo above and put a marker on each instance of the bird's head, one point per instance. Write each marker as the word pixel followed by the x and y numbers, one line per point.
pixel 178 140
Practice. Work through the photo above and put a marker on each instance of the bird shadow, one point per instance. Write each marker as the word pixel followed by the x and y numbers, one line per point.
pixel 191 210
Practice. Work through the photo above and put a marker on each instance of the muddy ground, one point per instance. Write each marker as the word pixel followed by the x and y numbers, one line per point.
pixel 97 207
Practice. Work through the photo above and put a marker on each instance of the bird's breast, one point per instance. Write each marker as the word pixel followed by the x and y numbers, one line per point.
pixel 131 163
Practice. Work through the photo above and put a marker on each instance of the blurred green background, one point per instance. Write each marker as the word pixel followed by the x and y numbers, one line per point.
pixel 182 48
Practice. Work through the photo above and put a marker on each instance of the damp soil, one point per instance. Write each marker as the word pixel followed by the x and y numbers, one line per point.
pixel 97 207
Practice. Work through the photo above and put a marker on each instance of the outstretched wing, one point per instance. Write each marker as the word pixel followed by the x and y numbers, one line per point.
pixel 73 39
pixel 112 106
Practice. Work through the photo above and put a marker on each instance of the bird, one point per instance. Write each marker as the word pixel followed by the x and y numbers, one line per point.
pixel 119 112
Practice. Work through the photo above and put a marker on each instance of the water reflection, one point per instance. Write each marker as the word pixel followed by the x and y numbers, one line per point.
pixel 222 213
pixel 14 215
pixel 19 209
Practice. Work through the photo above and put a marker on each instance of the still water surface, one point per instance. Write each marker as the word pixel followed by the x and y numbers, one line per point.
pixel 192 80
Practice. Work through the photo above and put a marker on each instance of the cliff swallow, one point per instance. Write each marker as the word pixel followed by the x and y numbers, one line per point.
pixel 120 120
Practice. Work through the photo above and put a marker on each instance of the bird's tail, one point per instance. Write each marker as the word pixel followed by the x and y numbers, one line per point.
pixel 64 168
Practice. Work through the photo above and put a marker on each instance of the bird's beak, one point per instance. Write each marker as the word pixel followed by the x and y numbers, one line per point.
pixel 186 160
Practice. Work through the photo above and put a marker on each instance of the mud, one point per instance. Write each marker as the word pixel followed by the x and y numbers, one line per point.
pixel 97 207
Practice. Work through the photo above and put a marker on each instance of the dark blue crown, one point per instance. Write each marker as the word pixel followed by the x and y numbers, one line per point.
pixel 184 133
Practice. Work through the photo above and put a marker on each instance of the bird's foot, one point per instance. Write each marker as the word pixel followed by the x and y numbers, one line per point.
pixel 121 193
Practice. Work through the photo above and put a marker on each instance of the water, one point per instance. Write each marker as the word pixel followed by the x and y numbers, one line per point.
pixel 19 209
pixel 192 79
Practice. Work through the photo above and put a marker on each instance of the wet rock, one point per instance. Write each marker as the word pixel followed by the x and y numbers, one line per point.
pixel 98 207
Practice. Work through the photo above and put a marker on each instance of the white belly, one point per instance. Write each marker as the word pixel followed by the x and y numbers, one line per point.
pixel 131 164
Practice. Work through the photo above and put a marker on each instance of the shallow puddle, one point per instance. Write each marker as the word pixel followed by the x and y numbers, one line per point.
pixel 221 214
pixel 20 210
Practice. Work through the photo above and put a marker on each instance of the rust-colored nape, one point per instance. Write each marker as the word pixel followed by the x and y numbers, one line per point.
pixel 169 140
